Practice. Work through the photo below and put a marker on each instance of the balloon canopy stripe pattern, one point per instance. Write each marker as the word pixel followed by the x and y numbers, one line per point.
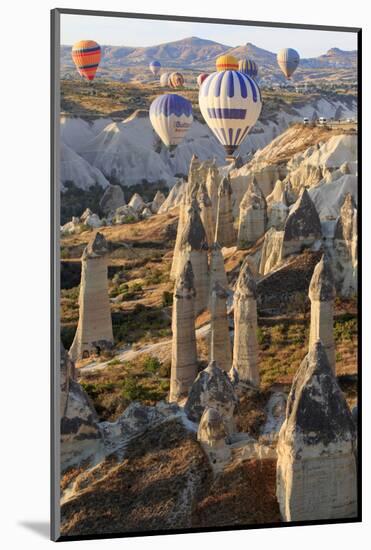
pixel 171 117
pixel 86 55
pixel 230 103
pixel 226 62
pixel 249 67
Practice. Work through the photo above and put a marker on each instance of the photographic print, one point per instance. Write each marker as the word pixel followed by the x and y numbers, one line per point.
pixel 205 322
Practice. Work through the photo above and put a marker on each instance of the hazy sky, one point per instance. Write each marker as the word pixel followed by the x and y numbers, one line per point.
pixel 141 32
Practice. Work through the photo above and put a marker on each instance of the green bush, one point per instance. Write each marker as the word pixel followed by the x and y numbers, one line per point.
pixel 151 364
pixel 167 298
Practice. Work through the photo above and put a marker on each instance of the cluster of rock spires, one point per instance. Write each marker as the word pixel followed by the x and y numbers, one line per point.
pixel 316 468
pixel 115 210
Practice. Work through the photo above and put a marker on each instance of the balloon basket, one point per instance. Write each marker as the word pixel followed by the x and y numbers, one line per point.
pixel 229 159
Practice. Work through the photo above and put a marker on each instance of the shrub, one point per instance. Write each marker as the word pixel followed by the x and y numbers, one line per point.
pixel 167 298
pixel 151 364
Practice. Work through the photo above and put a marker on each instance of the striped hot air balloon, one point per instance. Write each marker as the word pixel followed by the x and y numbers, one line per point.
pixel 164 80
pixel 249 67
pixel 288 60
pixel 227 63
pixel 201 77
pixel 86 55
pixel 230 103
pixel 155 67
pixel 176 80
pixel 171 117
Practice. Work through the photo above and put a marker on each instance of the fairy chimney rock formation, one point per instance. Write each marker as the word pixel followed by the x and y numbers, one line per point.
pixel 253 216
pixel 136 202
pixel 245 348
pixel 212 436
pixel 81 437
pixel 193 247
pixel 112 198
pixel 220 342
pixel 278 205
pixel 217 269
pixel 94 329
pixel 322 295
pixel 212 388
pixel 345 247
pixel 193 178
pixel 271 254
pixel 224 231
pixel 302 227
pixel 212 185
pixel 316 467
pixel 206 213
pixel 183 207
pixel 183 351
pixel 157 202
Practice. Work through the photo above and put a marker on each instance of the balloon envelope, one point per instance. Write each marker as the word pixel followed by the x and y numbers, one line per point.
pixel 155 67
pixel 201 77
pixel 164 80
pixel 171 117
pixel 176 80
pixel 86 55
pixel 249 67
pixel 227 63
pixel 288 60
pixel 230 103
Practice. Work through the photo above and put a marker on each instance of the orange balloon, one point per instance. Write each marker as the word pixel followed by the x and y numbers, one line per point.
pixel 86 55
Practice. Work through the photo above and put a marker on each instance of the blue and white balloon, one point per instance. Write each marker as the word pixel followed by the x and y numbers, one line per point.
pixel 155 67
pixel 230 103
pixel 171 117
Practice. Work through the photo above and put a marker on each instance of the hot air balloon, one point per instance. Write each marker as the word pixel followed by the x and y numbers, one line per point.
pixel 164 80
pixel 227 63
pixel 249 67
pixel 230 103
pixel 155 67
pixel 201 77
pixel 288 60
pixel 171 117
pixel 86 55
pixel 176 80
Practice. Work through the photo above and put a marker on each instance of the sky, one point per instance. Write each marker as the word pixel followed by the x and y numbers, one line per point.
pixel 141 32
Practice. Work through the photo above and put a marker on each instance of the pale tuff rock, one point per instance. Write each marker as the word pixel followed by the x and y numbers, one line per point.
pixel 271 254
pixel 157 202
pixel 224 231
pixel 112 199
pixel 85 215
pixel 275 411
pixel 217 269
pixel 322 295
pixel 174 197
pixel 253 216
pixel 94 329
pixel 137 203
pixel 212 436
pixel 183 207
pixel 93 221
pixel 206 213
pixel 302 227
pixel 193 178
pixel 123 213
pixel 146 213
pixel 81 438
pixel 212 388
pixel 212 185
pixel 245 348
pixel 220 342
pixel 71 227
pixel 193 247
pixel 328 198
pixel 183 351
pixel 278 205
pixel 345 248
pixel 316 468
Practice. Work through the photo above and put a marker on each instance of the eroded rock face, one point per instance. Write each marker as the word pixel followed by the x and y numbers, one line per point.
pixel 245 348
pixel 220 342
pixel 253 216
pixel 212 388
pixel 212 435
pixel 183 351
pixel 157 202
pixel 316 468
pixel 94 330
pixel 206 213
pixel 112 199
pixel 217 269
pixel 271 255
pixel 345 248
pixel 302 227
pixel 212 186
pixel 322 295
pixel 81 437
pixel 224 232
pixel 137 203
